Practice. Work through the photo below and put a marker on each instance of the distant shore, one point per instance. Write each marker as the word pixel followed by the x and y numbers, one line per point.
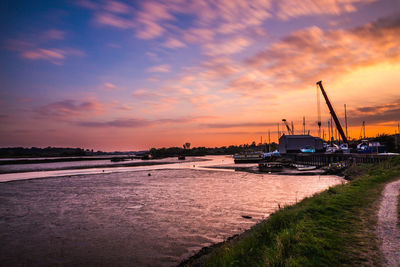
pixel 115 165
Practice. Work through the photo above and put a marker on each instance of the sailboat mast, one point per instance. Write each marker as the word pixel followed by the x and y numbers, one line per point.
pixel 345 118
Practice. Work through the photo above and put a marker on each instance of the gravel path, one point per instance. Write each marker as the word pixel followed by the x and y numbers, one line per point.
pixel 388 229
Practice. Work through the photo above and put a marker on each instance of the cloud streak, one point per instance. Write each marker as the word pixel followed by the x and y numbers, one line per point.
pixel 68 108
pixel 37 47
pixel 239 125
pixel 137 122
pixel 376 114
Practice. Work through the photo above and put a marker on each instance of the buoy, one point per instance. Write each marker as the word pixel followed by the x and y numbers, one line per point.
pixel 149 174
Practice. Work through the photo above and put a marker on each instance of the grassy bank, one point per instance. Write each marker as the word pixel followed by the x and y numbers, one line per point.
pixel 335 227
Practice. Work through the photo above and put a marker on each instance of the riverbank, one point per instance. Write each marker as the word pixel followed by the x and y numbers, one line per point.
pixel 335 227
pixel 84 164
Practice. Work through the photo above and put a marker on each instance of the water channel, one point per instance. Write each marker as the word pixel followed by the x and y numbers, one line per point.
pixel 136 216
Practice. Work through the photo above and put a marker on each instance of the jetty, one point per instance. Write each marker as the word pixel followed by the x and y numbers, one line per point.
pixel 325 159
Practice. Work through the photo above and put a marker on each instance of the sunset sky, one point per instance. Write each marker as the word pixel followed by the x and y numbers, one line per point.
pixel 131 75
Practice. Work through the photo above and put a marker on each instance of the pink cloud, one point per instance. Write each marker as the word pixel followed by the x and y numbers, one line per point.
pixel 149 18
pixel 113 20
pixel 201 101
pixel 117 7
pixel 49 54
pixel 292 8
pixel 68 108
pixel 250 84
pixel 87 4
pixel 25 99
pixel 35 48
pixel 54 34
pixel 148 29
pixel 198 35
pixel 219 67
pixel 110 86
pixel 54 55
pixel 227 47
pixel 152 18
pixel 143 94
pixel 160 68
pixel 174 43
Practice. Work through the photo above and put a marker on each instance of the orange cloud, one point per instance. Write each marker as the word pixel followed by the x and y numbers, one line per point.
pixel 292 8
pixel 305 56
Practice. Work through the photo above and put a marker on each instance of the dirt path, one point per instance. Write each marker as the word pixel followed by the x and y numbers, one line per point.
pixel 388 229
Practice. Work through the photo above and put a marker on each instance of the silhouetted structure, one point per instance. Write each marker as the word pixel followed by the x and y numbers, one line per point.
pixel 293 143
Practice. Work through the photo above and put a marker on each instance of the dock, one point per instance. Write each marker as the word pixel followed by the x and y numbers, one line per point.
pixel 324 159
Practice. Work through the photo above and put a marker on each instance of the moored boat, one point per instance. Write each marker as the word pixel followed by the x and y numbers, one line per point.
pixel 306 168
pixel 307 149
pixel 249 157
pixel 270 166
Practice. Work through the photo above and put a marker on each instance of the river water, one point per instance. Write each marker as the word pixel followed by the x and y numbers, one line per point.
pixel 137 216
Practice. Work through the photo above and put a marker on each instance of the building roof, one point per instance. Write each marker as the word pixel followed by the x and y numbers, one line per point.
pixel 298 136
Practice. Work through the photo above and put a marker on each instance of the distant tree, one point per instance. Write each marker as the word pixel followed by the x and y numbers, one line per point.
pixel 387 141
pixel 186 146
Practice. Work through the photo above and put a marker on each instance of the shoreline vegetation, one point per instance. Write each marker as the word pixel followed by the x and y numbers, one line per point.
pixel 335 227
pixel 159 153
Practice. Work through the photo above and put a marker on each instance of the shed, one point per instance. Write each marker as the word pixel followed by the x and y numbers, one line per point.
pixel 293 143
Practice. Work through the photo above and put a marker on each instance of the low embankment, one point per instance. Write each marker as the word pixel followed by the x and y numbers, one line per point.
pixel 335 227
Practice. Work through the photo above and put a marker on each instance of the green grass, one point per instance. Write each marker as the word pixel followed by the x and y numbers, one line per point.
pixel 335 227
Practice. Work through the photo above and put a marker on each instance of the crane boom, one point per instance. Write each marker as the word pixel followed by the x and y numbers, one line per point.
pixel 335 118
pixel 319 114
pixel 287 126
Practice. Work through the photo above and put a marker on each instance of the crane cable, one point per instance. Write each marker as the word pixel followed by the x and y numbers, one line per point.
pixel 319 112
